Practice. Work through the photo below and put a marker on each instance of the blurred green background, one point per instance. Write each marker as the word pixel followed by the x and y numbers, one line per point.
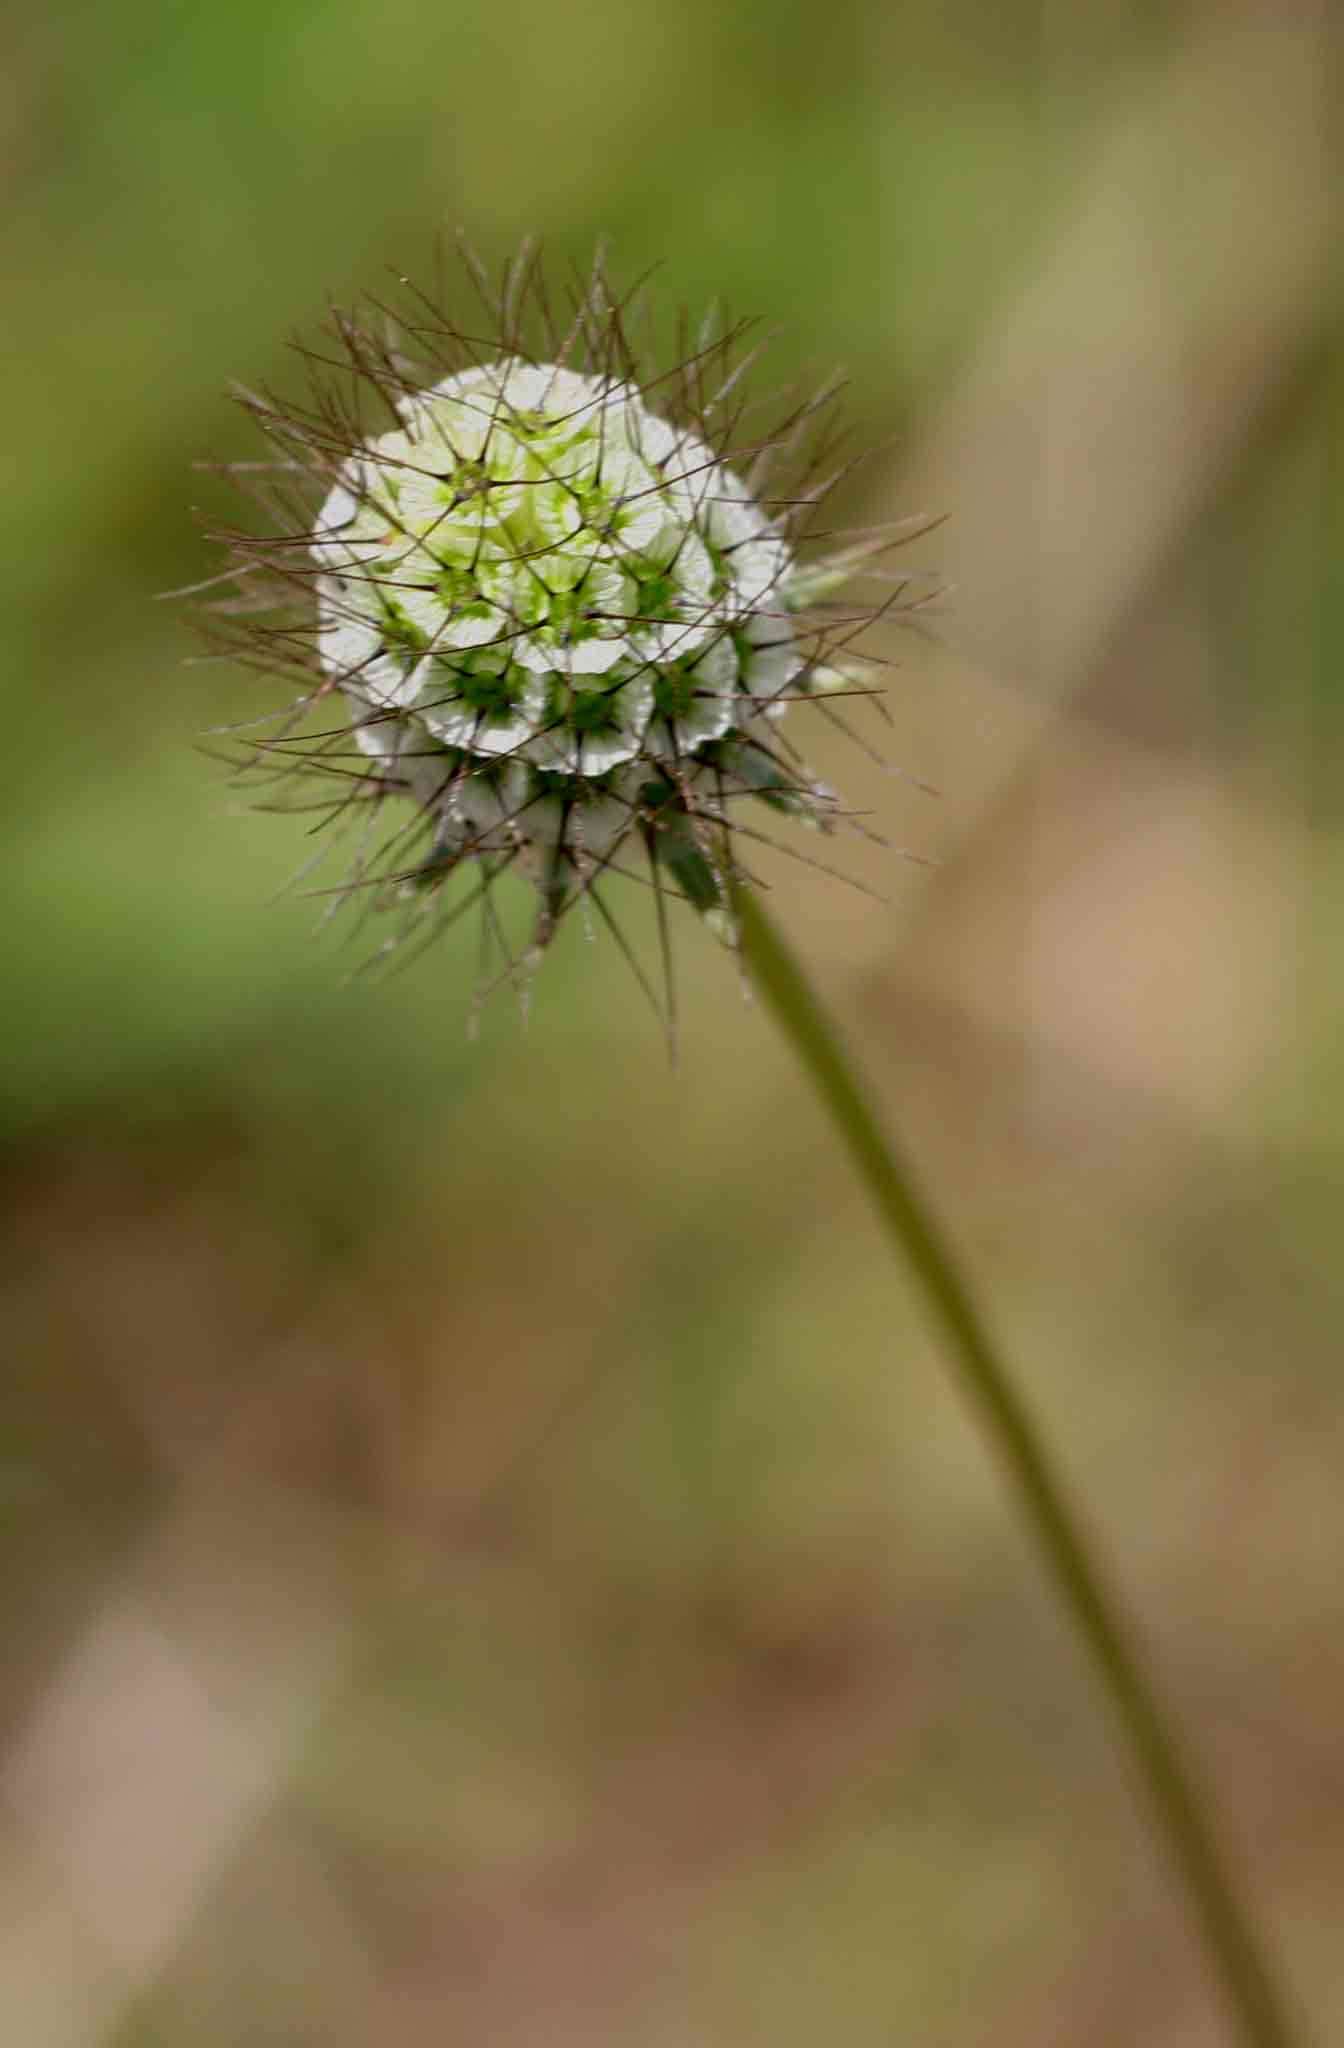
pixel 493 1555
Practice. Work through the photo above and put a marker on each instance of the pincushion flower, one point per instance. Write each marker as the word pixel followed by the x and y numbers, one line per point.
pixel 559 607
pixel 547 613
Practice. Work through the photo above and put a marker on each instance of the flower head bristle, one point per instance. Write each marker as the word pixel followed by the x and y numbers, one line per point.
pixel 559 604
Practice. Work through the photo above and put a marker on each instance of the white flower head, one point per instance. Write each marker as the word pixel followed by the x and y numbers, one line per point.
pixel 564 605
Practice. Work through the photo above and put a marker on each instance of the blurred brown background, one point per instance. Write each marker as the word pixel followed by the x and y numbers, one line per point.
pixel 492 1552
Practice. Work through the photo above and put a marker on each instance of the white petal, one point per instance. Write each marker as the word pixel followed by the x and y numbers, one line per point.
pixel 478 811
pixel 757 569
pixel 351 647
pixel 344 534
pixel 603 590
pixel 591 828
pixel 402 750
pixel 626 702
pixel 773 665
pixel 446 627
pixel 713 676
pixel 585 658
pixel 444 711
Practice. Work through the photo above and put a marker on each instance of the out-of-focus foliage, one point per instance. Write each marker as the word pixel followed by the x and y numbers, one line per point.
pixel 493 1553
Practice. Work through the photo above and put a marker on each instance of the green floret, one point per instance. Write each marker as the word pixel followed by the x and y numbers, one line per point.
pixel 586 712
pixel 675 691
pixel 401 636
pixel 491 690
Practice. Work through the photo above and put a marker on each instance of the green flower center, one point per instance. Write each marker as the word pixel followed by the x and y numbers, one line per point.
pixel 461 594
pixel 565 616
pixel 401 636
pixel 467 480
pixel 675 692
pixel 586 712
pixel 493 692
pixel 658 595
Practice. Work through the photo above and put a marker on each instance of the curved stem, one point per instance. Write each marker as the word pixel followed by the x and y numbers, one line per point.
pixel 1251 1995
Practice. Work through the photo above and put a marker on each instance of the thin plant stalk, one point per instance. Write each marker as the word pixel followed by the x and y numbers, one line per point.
pixel 1252 1996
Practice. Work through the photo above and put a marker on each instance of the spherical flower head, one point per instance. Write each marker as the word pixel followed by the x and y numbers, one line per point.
pixel 561 605
pixel 537 565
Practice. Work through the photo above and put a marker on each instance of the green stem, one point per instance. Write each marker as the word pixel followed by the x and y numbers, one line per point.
pixel 1233 1950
